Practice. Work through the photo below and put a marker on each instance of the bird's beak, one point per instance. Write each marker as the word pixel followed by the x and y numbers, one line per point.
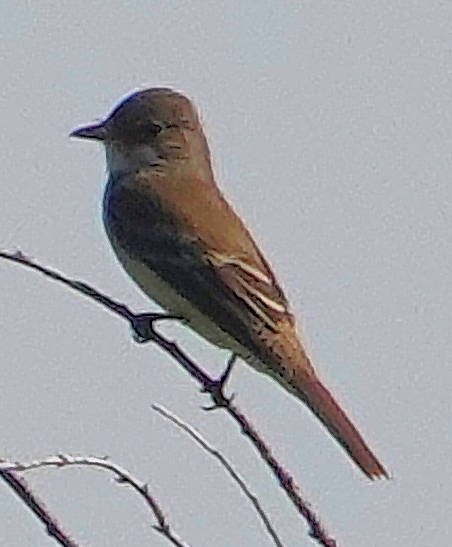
pixel 96 131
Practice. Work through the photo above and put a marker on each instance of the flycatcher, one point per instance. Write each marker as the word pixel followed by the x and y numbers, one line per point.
pixel 186 248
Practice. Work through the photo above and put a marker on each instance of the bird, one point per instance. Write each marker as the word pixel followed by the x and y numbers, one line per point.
pixel 184 245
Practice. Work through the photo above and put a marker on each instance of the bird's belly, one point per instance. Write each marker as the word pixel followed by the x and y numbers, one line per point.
pixel 163 294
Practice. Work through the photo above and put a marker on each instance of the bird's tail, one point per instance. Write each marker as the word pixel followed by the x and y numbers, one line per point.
pixel 313 393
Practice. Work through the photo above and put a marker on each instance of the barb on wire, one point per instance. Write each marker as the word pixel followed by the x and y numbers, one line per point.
pixel 122 476
pixel 21 488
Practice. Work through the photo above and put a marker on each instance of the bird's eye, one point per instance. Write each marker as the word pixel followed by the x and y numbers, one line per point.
pixel 146 129
pixel 154 128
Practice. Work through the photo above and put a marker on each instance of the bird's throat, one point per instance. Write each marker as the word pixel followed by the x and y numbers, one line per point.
pixel 123 159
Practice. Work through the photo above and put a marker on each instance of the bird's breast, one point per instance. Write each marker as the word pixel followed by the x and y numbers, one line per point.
pixel 148 246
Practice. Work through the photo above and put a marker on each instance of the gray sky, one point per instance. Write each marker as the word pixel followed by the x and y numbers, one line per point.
pixel 330 125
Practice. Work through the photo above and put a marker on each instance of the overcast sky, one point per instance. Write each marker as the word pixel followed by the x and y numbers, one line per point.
pixel 330 125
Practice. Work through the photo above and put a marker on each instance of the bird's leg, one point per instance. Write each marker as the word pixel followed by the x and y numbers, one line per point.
pixel 216 387
pixel 227 371
pixel 142 325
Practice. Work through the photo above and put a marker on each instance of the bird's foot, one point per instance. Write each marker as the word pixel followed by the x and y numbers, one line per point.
pixel 142 325
pixel 216 387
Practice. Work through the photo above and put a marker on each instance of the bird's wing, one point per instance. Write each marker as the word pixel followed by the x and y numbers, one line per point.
pixel 255 288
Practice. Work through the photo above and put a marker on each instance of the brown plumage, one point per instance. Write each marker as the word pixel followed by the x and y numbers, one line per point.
pixel 184 245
